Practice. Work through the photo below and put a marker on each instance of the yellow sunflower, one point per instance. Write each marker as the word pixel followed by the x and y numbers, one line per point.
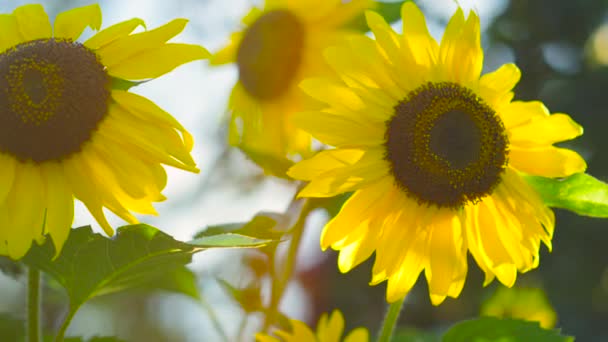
pixel 434 153
pixel 279 46
pixel 67 129
pixel 329 329
pixel 530 304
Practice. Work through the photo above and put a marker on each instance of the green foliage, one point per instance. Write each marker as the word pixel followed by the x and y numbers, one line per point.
pixel 178 280
pixel 491 329
pixel 414 335
pixel 263 228
pixel 11 328
pixel 580 193
pixel 139 256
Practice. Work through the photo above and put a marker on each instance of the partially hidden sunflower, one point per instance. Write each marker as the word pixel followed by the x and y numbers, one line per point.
pixel 527 303
pixel 279 46
pixel 329 329
pixel 69 129
pixel 434 153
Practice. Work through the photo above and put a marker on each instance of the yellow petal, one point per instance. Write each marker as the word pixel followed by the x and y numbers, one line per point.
pixel 460 50
pixel 495 87
pixel 446 253
pixel 519 113
pixel 120 49
pixel 399 230
pixel 71 23
pixel 415 33
pixel 545 131
pixel 228 53
pixel 323 162
pixel 78 176
pixel 360 250
pixel 547 161
pixel 300 332
pixel 336 171
pixel 157 62
pixel 336 95
pixel 485 245
pixel 358 208
pixel 116 31
pixel 59 205
pixel 260 337
pixel 357 335
pixel 145 109
pixel 33 22
pixel 332 330
pixel 387 39
pixel 346 131
pixel 402 281
pixel 25 206
pixel 10 31
pixel 7 175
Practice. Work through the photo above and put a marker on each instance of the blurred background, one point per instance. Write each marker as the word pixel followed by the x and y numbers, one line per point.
pixel 561 46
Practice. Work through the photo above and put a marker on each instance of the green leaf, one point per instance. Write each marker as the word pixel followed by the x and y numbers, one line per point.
pixel 263 228
pixel 271 164
pixel 492 329
pixel 414 335
pixel 249 298
pixel 180 280
pixel 580 193
pixel 92 265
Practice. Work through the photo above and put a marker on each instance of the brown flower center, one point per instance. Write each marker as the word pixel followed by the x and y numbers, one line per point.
pixel 445 146
pixel 270 54
pixel 53 94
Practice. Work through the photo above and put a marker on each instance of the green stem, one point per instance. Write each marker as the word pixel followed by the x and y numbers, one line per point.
pixel 390 321
pixel 214 320
pixel 33 304
pixel 280 280
pixel 65 325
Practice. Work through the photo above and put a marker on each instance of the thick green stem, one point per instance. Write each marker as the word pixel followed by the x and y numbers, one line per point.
pixel 33 305
pixel 390 321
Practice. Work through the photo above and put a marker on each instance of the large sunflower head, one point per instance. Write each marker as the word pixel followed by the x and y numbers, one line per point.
pixel 329 329
pixel 434 153
pixel 68 127
pixel 279 46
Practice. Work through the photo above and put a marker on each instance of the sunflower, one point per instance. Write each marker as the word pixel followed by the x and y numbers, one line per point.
pixel 279 46
pixel 69 129
pixel 434 153
pixel 329 329
pixel 527 303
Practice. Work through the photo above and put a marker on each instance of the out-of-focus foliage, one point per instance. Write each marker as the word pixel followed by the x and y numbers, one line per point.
pixel 491 329
pixel 529 304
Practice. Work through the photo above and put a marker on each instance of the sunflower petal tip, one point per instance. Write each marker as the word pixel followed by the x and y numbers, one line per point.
pixel 437 299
